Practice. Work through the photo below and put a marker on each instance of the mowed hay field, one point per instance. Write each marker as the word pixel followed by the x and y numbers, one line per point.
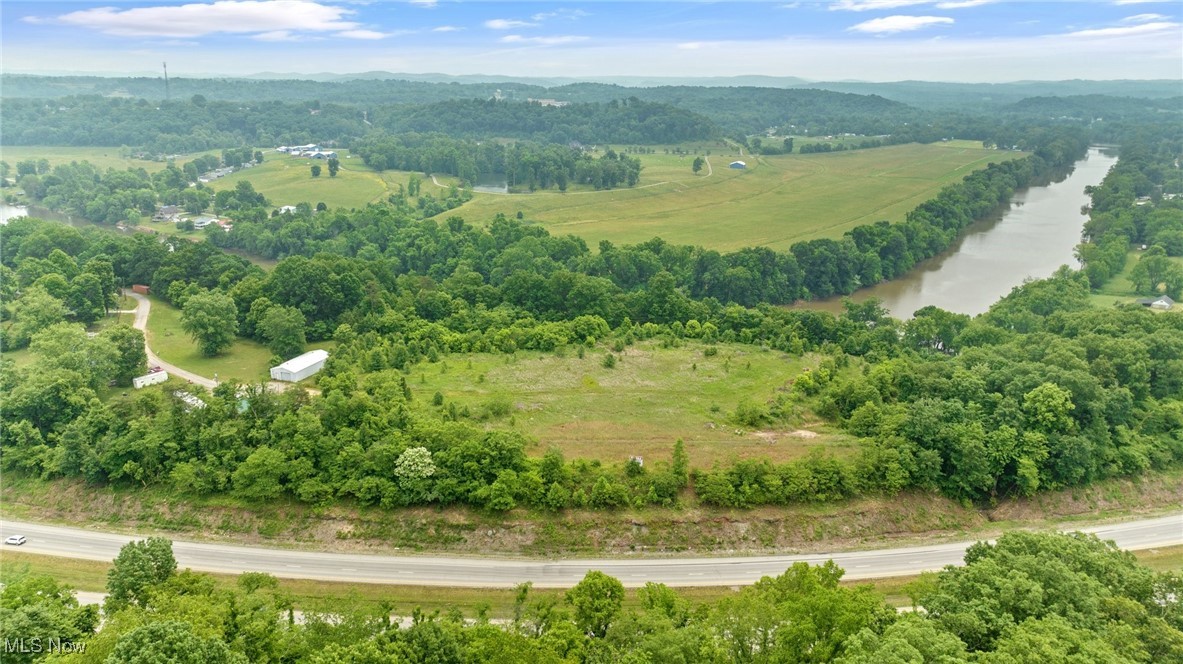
pixel 775 202
pixel 287 180
pixel 103 157
pixel 651 398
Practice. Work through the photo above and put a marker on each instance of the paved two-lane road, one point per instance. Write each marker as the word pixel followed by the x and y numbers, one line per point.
pixel 498 572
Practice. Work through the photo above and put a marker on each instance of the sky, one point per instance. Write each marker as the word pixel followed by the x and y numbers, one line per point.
pixel 871 40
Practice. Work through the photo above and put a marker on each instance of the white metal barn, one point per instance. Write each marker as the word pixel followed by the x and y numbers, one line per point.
pixel 300 367
pixel 154 378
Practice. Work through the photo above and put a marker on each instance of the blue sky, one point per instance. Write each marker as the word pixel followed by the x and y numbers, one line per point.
pixel 950 40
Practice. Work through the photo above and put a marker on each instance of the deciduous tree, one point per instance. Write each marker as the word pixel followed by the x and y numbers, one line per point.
pixel 212 320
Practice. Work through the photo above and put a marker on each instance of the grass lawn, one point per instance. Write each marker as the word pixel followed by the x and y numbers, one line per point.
pixel 20 358
pixel 1120 288
pixel 246 361
pixel 287 180
pixel 775 202
pixel 651 398
pixel 103 157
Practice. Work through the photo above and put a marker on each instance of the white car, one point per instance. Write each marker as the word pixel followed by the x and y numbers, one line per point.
pixel 15 540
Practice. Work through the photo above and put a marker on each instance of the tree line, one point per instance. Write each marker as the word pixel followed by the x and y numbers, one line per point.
pixel 526 166
pixel 1139 204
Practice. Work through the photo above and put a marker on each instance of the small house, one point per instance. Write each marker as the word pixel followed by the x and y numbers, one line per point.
pixel 288 209
pixel 1162 302
pixel 141 289
pixel 167 213
pixel 323 155
pixel 300 367
pixel 151 378
pixel 201 223
pixel 737 164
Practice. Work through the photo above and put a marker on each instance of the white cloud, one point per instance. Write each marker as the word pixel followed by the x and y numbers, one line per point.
pixel 873 5
pixel 963 4
pixel 877 5
pixel 560 13
pixel 543 41
pixel 362 34
pixel 276 36
pixel 1144 18
pixel 1139 2
pixel 447 28
pixel 508 24
pixel 1127 31
pixel 893 24
pixel 426 4
pixel 270 18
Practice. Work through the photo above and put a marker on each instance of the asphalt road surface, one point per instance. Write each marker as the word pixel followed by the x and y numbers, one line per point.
pixel 429 570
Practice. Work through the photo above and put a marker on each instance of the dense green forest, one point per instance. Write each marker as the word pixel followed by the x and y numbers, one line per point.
pixel 629 120
pixel 1028 598
pixel 194 124
pixel 202 115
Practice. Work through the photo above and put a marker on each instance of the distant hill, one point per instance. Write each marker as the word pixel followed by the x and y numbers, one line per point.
pixel 735 109
pixel 929 95
pixel 1096 105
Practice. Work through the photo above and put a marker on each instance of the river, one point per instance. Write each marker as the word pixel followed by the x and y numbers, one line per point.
pixel 1030 238
pixel 15 211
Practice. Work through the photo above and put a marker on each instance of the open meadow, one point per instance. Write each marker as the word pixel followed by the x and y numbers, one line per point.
pixel 287 180
pixel 651 397
pixel 103 157
pixel 775 202
pixel 1120 288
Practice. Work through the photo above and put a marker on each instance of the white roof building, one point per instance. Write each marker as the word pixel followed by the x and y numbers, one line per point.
pixel 149 379
pixel 300 367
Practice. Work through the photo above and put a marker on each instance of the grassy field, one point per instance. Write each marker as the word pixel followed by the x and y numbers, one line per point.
pixel 246 361
pixel 651 398
pixel 287 180
pixel 1120 288
pixel 103 157
pixel 775 202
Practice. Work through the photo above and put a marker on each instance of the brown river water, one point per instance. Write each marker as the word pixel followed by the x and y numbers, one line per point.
pixel 1030 238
